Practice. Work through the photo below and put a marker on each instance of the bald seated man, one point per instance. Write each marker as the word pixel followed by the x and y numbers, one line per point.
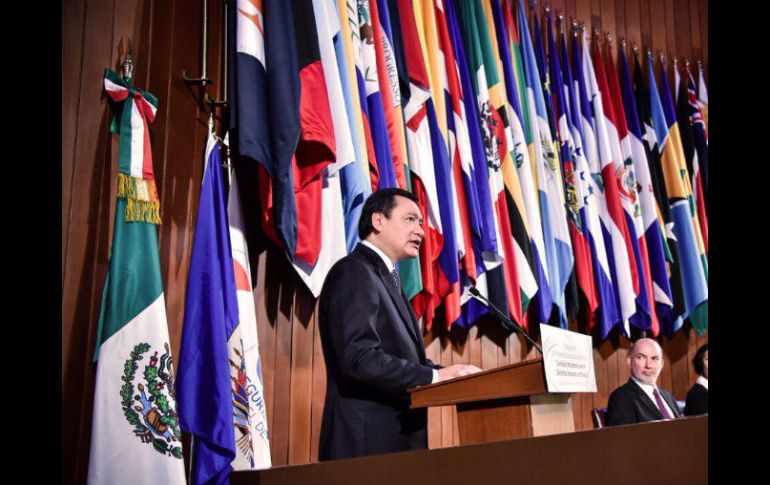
pixel 640 399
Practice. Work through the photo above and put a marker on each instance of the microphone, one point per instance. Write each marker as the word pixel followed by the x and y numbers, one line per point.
pixel 477 294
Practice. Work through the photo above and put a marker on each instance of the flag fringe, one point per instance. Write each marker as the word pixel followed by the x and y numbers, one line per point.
pixel 142 204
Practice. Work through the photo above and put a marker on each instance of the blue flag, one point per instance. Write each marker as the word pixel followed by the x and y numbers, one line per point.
pixel 204 389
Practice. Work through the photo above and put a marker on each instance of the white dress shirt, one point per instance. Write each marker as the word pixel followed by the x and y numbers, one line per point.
pixel 703 382
pixel 648 388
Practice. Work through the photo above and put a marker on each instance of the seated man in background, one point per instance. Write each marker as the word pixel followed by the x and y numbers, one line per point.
pixel 698 397
pixel 640 399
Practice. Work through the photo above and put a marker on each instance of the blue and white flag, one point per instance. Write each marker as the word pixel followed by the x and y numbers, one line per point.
pixel 204 385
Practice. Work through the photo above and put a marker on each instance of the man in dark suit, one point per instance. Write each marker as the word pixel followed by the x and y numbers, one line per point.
pixel 371 340
pixel 640 399
pixel 697 401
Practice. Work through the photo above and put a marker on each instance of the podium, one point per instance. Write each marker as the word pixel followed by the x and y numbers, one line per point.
pixel 505 403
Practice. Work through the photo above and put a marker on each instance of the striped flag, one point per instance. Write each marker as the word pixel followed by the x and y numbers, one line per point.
pixel 558 246
pixel 703 102
pixel 670 320
pixel 477 177
pixel 389 87
pixel 519 273
pixel 409 269
pixel 703 98
pixel 692 127
pixel 611 210
pixel 325 195
pixel 354 177
pixel 574 191
pixel 315 147
pixel 420 151
pixel 693 266
pixel 517 154
pixel 448 269
pixel 651 229
pixel 458 140
pixel 267 107
pixel 501 277
pixel 632 154
pixel 383 173
pixel 589 169
pixel 523 142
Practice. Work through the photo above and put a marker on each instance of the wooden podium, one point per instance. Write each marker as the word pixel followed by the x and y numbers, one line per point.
pixel 499 404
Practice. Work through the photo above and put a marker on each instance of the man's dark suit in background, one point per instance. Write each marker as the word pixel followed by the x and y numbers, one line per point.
pixel 697 401
pixel 629 404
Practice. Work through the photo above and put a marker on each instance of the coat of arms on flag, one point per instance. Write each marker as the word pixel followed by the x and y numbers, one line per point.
pixel 146 403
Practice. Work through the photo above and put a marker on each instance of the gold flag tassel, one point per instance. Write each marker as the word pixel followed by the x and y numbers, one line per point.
pixel 142 204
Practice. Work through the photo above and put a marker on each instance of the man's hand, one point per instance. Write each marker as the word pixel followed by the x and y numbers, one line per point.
pixel 456 370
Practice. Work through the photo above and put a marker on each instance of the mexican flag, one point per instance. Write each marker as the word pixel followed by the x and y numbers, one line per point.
pixel 135 437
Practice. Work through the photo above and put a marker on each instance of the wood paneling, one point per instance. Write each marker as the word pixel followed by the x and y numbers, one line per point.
pixel 72 63
pixel 165 38
pixel 703 10
pixel 85 224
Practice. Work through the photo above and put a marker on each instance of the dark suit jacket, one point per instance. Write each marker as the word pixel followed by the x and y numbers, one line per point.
pixel 629 404
pixel 374 352
pixel 697 401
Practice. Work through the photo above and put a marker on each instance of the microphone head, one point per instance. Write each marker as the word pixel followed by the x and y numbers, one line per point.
pixel 473 291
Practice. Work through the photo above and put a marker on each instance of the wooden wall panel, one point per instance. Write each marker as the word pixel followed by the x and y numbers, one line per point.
pixel 633 28
pixel 694 21
pixel 165 36
pixel 658 26
pixel 84 224
pixel 609 19
pixel 447 412
pixel 279 441
pixel 671 31
pixel 645 25
pixel 620 22
pixel 73 14
pixel 682 48
pixel 583 13
pixel 301 376
pixel 318 392
pixel 185 140
pixel 703 10
pixel 432 343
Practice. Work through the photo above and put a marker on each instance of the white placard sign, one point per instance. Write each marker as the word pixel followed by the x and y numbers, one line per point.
pixel 568 360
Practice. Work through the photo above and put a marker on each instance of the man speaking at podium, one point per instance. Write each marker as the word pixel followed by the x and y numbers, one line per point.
pixel 371 340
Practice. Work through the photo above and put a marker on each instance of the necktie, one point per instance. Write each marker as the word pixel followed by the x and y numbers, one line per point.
pixel 394 277
pixel 661 406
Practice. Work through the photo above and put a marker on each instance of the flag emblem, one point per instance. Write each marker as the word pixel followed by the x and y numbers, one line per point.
pixel 549 154
pixel 154 419
pixel 241 384
pixel 627 187
pixel 494 133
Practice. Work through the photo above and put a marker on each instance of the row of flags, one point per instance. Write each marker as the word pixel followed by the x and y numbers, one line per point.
pixel 554 181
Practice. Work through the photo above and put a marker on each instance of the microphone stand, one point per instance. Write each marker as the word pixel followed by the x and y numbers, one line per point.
pixel 476 294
